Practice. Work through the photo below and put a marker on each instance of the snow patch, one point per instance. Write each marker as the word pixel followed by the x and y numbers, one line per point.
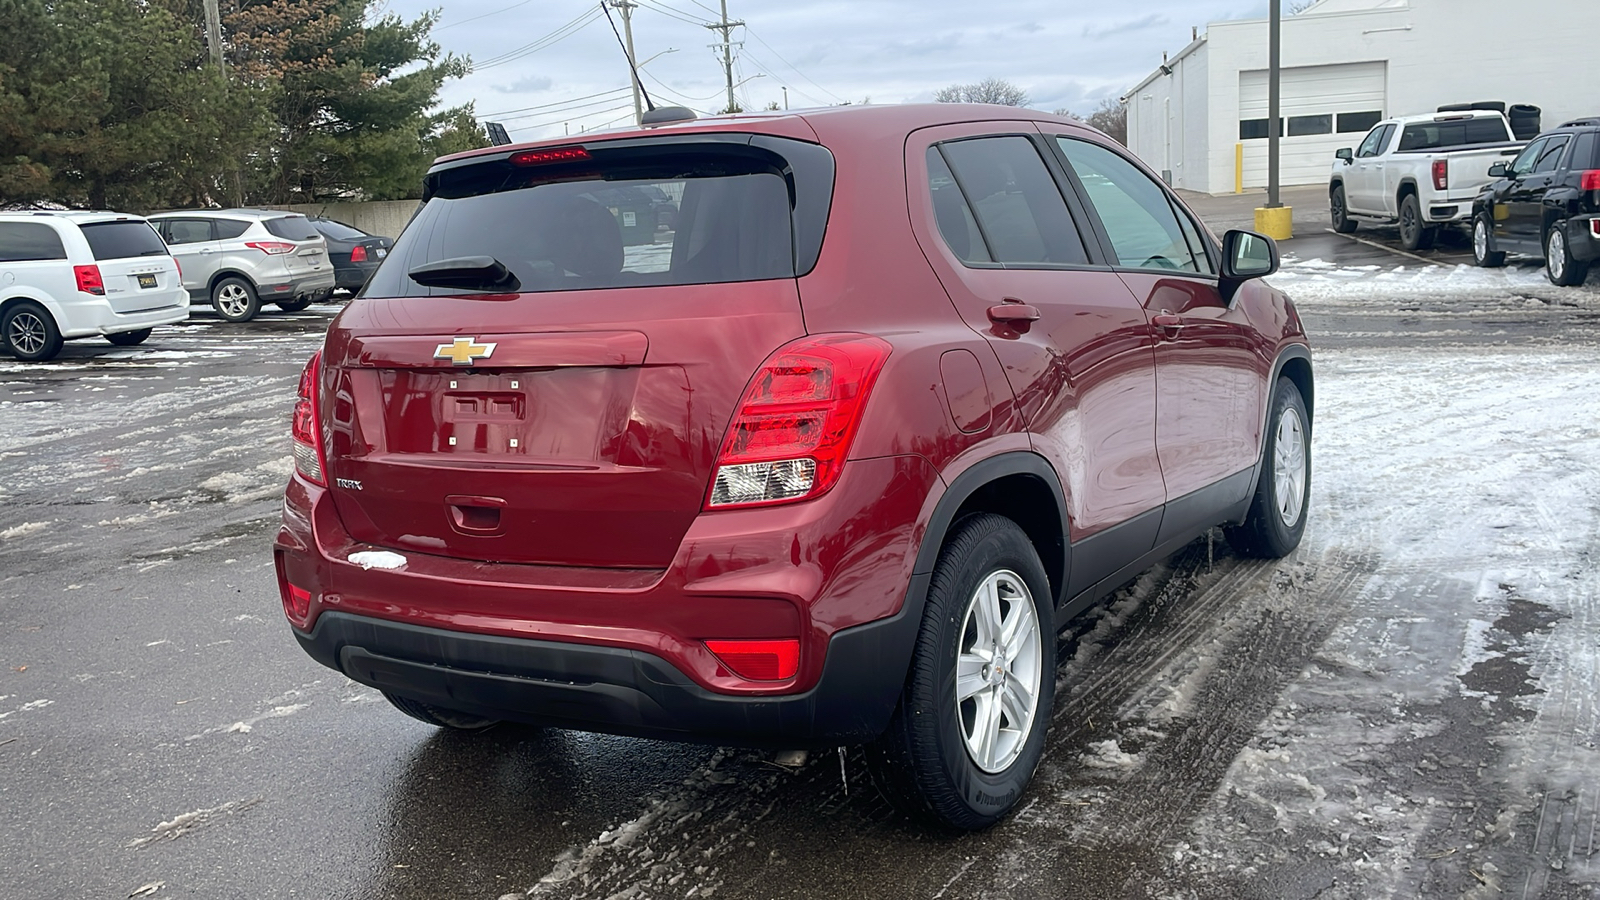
pixel 1110 755
pixel 26 528
pixel 377 559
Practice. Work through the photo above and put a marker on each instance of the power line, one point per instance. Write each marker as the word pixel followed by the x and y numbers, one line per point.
pixel 507 112
pixel 748 30
pixel 669 89
pixel 763 67
pixel 588 115
pixel 564 113
pixel 549 40
pixel 670 13
pixel 484 16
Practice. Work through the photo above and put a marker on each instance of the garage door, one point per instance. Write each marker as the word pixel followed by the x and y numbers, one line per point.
pixel 1323 108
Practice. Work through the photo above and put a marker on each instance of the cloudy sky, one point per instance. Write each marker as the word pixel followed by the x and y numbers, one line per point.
pixel 541 66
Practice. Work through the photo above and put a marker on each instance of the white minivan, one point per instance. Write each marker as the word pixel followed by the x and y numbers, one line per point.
pixel 66 275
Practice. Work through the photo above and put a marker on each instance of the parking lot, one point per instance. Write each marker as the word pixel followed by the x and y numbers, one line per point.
pixel 1405 707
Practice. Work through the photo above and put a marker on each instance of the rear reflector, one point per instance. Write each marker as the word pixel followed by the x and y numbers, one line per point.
pixel 298 601
pixel 759 660
pixel 1591 181
pixel 1594 228
pixel 309 460
pixel 89 280
pixel 552 155
pixel 792 431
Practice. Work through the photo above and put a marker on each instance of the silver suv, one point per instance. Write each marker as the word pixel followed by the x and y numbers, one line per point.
pixel 238 259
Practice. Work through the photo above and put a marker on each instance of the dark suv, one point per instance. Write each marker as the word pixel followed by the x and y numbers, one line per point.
pixel 1545 203
pixel 903 390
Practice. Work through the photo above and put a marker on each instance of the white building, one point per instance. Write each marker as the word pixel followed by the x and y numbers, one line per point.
pixel 1348 63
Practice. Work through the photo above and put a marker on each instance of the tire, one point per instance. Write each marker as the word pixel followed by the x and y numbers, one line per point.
pixel 1559 266
pixel 294 305
pixel 1277 517
pixel 1338 212
pixel 1482 237
pixel 128 338
pixel 235 299
pixel 1414 233
pixel 29 332
pixel 928 761
pixel 438 715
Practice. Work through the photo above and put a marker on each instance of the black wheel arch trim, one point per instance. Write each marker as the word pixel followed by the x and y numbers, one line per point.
pixel 216 279
pixel 1307 395
pixel 969 482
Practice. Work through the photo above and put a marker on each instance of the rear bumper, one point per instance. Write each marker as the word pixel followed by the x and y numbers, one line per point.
pixel 1583 238
pixel 622 650
pixel 354 275
pixel 618 690
pixel 290 287
pixel 94 316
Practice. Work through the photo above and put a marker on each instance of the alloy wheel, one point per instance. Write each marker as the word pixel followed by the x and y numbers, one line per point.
pixel 1556 256
pixel 233 301
pixel 1480 240
pixel 1289 466
pixel 27 333
pixel 998 670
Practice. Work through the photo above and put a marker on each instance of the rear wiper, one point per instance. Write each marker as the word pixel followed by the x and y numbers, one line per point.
pixel 467 273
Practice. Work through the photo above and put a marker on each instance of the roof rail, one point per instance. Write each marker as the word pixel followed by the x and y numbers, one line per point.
pixel 1577 122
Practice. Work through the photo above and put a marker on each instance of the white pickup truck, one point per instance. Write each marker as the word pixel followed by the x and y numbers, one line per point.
pixel 1419 172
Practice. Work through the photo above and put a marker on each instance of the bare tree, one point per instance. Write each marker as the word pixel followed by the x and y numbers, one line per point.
pixel 1111 116
pixel 989 90
pixel 1300 6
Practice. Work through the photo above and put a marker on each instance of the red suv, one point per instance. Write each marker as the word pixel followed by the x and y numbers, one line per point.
pixel 829 462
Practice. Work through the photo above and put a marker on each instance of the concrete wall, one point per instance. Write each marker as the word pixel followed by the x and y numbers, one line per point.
pixel 1436 51
pixel 381 217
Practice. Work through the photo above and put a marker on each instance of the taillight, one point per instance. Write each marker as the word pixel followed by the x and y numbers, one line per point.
pixel 179 266
pixel 793 427
pixel 759 660
pixel 1591 181
pixel 271 248
pixel 309 460
pixel 89 280
pixel 1441 174
pixel 359 254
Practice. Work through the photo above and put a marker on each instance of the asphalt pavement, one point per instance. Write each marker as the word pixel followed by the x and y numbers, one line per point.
pixel 162 735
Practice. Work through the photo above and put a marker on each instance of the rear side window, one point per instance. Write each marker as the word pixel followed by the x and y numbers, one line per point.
pixel 29 241
pixel 664 218
pixel 338 230
pixel 1138 217
pixel 1018 209
pixel 1457 133
pixel 228 229
pixel 1583 153
pixel 292 228
pixel 123 240
pixel 950 209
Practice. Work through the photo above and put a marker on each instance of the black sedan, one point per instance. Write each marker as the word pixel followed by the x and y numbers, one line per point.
pixel 355 253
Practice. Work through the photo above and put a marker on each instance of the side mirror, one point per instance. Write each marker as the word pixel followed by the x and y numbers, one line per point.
pixel 1345 154
pixel 1499 170
pixel 1247 255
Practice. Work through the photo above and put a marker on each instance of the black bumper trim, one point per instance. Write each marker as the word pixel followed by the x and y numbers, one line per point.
pixel 620 691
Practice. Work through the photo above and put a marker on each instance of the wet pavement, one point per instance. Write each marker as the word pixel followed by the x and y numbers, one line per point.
pixel 1403 708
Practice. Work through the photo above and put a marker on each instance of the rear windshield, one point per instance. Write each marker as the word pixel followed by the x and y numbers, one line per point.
pixel 338 230
pixel 292 228
pixel 1458 133
pixel 123 240
pixel 657 220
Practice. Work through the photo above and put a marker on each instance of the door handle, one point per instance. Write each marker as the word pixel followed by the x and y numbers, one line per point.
pixel 207 250
pixel 1013 311
pixel 1167 322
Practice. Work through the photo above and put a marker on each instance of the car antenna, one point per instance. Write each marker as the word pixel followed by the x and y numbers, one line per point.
pixel 648 105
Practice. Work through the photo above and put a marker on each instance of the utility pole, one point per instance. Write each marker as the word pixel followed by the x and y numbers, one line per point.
pixel 625 9
pixel 785 98
pixel 1274 123
pixel 726 27
pixel 214 32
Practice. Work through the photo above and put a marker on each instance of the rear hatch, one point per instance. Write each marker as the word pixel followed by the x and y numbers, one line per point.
pixel 310 253
pixel 571 413
pixel 135 265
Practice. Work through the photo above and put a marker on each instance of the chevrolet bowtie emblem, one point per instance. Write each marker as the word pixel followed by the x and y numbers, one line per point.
pixel 463 350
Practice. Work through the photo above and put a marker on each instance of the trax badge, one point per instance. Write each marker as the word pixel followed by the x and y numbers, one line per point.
pixel 463 350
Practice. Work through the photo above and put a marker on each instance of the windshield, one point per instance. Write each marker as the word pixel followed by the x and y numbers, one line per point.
pixel 705 225
pixel 1457 133
pixel 122 240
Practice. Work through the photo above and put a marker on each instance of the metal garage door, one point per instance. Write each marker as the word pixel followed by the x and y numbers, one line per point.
pixel 1323 108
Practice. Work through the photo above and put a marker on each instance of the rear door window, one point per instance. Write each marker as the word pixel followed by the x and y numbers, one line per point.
pixel 123 240
pixel 293 228
pixel 1019 211
pixel 668 218
pixel 29 242
pixel 1138 218
pixel 1550 158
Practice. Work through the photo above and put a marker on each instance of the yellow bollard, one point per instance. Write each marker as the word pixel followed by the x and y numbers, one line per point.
pixel 1238 168
pixel 1277 223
